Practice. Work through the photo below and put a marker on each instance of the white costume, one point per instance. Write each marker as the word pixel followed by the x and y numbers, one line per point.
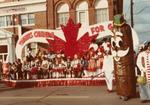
pixel 108 68
pixel 105 45
pixel 94 45
pixel 45 65
pixel 143 62
pixel 75 64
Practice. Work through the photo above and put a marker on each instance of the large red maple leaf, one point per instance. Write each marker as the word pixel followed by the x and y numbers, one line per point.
pixel 72 46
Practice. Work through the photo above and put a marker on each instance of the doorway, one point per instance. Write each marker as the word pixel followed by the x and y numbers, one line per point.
pixel 3 52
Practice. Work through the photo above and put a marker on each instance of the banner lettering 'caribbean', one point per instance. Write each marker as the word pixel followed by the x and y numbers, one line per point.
pixel 37 35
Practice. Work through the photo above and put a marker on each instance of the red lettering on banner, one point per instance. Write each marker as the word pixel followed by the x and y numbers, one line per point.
pixel 44 34
pixel 97 29
pixel 25 38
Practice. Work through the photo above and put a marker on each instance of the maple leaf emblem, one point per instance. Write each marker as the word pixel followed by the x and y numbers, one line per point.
pixel 71 46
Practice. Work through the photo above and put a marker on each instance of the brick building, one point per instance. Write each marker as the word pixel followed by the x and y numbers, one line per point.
pixel 20 16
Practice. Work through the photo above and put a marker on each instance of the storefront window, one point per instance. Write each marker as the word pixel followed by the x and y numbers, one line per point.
pixel 5 21
pixel 82 17
pixel 8 21
pixel 31 19
pixel 2 21
pixel 101 14
pixel 82 13
pixel 62 14
pixel 27 19
pixel 62 18
pixel 24 19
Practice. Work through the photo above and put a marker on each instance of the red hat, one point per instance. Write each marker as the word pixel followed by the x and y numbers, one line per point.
pixel 108 45
pixel 91 49
pixel 101 49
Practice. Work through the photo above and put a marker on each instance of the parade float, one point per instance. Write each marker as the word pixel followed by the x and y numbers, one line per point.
pixel 71 39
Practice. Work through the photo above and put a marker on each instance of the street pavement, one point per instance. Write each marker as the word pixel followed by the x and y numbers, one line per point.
pixel 61 95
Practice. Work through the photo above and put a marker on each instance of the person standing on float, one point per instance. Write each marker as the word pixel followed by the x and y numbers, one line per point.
pixel 123 53
pixel 92 62
pixel 143 63
pixel 99 60
pixel 76 66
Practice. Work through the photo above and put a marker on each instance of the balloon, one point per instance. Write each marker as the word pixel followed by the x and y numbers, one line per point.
pixel 141 80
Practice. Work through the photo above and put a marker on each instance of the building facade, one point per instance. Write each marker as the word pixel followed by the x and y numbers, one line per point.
pixel 20 16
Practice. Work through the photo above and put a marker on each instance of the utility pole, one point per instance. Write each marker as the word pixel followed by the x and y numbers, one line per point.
pixel 118 6
pixel 132 21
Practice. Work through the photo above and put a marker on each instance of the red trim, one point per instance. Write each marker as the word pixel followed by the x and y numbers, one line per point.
pixel 55 82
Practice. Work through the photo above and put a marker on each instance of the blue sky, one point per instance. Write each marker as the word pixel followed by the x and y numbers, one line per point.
pixel 141 17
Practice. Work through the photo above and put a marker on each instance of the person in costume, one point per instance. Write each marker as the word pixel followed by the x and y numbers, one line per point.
pixel 108 70
pixel 68 72
pixel 143 63
pixel 76 66
pixel 44 67
pixel 59 66
pixel 122 51
pixel 85 63
pixel 25 69
pixel 99 59
pixel 93 45
pixel 92 62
